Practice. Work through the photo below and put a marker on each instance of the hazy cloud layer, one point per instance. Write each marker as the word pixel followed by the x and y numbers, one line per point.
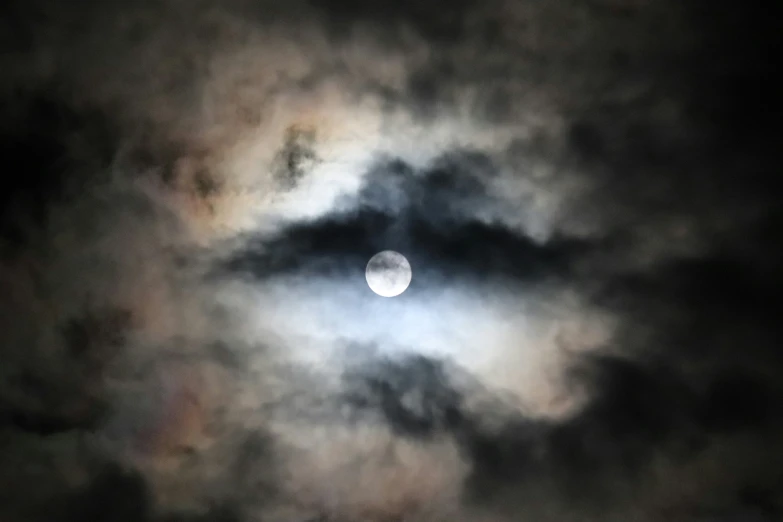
pixel 584 190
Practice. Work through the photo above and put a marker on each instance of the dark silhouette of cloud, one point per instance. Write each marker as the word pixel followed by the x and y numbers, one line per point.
pixel 413 395
pixel 428 215
pixel 585 191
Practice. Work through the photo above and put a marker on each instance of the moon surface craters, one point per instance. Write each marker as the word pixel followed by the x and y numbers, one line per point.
pixel 388 273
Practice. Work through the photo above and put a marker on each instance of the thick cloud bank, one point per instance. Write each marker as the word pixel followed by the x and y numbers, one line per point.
pixel 584 189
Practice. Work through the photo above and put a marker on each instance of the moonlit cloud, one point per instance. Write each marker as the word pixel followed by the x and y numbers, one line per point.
pixel 194 190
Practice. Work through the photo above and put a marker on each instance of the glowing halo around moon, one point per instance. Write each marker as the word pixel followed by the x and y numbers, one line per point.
pixel 388 273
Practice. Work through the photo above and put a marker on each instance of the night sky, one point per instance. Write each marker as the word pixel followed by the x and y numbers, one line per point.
pixel 586 191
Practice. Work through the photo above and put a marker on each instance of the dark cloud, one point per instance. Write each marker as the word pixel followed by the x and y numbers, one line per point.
pixel 429 18
pixel 413 395
pixel 296 157
pixel 596 459
pixel 115 495
pixel 51 397
pixel 428 215
pixel 586 193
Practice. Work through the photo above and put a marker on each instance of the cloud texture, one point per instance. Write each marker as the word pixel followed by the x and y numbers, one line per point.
pixel 585 193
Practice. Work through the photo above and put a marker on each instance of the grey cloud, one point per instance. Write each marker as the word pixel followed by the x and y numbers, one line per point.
pixel 296 157
pixel 581 187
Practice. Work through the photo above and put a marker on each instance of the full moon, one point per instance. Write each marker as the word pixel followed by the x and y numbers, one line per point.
pixel 388 273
